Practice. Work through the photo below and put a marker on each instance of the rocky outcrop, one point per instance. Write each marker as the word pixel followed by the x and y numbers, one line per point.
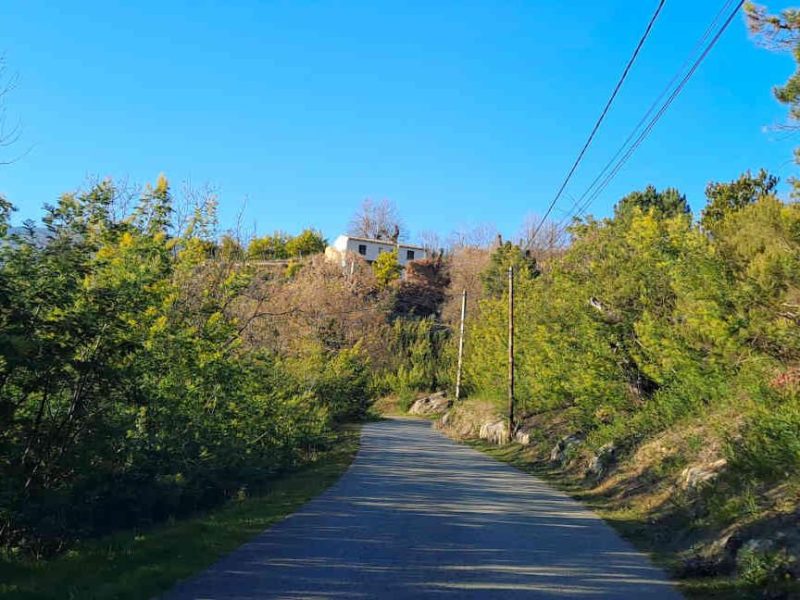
pixel 455 425
pixel 465 418
pixel 693 478
pixel 602 462
pixel 767 550
pixel 435 404
pixel 561 451
pixel 523 436
pixel 495 432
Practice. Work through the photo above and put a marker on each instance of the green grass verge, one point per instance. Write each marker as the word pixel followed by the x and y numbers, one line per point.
pixel 635 525
pixel 142 564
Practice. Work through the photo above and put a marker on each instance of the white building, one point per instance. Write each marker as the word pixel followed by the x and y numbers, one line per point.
pixel 370 249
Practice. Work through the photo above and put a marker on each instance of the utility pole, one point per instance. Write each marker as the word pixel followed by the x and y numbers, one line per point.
pixel 510 353
pixel 461 345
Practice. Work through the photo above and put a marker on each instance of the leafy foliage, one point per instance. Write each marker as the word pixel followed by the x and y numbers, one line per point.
pixel 279 245
pixel 725 198
pixel 645 320
pixel 418 347
pixel 127 394
pixel 668 203
pixel 505 256
pixel 306 243
pixel 781 32
pixel 269 247
pixel 387 268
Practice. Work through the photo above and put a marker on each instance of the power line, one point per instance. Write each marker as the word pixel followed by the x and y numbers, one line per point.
pixel 602 115
pixel 697 46
pixel 643 135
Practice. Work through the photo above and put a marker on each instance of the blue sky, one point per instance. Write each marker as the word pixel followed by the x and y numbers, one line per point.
pixel 460 112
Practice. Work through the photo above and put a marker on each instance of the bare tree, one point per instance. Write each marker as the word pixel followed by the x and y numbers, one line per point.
pixel 321 306
pixel 377 220
pixel 430 240
pixel 545 241
pixel 196 210
pixel 124 193
pixel 466 265
pixel 482 235
pixel 544 237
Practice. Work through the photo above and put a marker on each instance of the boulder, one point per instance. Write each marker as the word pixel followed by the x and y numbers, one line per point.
pixel 695 477
pixel 431 405
pixel 495 432
pixel 523 436
pixel 756 546
pixel 453 423
pixel 601 463
pixel 560 452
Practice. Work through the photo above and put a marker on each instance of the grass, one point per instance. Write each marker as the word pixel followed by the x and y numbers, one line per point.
pixel 388 406
pixel 633 522
pixel 395 405
pixel 143 564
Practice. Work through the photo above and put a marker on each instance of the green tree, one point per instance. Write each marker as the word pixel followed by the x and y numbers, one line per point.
pixel 495 277
pixel 387 268
pixel 229 248
pixel 127 393
pixel 667 203
pixel 269 247
pixel 726 198
pixel 154 211
pixel 308 242
pixel 760 245
pixel 781 32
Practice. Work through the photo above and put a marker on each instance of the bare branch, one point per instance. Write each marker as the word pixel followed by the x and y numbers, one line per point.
pixel 377 220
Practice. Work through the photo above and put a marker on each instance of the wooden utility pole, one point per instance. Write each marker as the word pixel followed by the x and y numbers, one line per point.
pixel 461 345
pixel 510 353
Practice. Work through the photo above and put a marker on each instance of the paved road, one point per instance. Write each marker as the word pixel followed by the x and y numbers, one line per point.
pixel 420 516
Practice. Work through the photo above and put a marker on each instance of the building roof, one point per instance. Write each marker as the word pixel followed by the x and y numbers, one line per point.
pixel 385 242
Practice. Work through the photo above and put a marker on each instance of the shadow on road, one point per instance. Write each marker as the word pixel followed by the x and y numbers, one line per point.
pixel 418 515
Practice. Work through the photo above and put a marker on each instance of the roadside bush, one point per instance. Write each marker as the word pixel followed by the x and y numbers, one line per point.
pixel 768 445
pixel 344 385
pixel 764 569
pixel 126 395
pixel 645 320
pixel 417 347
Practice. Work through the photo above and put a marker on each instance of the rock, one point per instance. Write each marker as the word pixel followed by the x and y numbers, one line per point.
pixel 495 432
pixel 601 463
pixel 430 405
pixel 560 451
pixel 695 477
pixel 724 549
pixel 523 436
pixel 756 546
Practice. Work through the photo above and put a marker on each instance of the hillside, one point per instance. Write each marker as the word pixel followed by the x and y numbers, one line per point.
pixel 657 361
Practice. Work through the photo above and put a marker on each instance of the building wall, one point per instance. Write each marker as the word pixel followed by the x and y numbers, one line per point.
pixel 372 248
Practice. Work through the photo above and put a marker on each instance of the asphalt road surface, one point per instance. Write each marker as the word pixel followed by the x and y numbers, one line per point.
pixel 418 515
